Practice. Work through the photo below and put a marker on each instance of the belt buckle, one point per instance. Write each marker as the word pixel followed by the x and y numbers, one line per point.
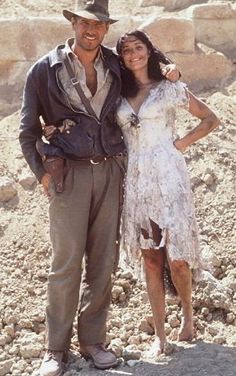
pixel 93 162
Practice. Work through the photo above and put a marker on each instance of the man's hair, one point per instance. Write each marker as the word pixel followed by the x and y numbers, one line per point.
pixel 129 84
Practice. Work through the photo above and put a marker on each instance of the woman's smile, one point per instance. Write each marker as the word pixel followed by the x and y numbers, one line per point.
pixel 135 54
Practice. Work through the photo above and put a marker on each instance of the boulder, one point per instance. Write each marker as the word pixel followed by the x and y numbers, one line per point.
pixel 13 74
pixel 203 69
pixel 7 189
pixel 170 33
pixel 5 367
pixel 169 4
pixel 32 37
pixel 126 23
pixel 215 26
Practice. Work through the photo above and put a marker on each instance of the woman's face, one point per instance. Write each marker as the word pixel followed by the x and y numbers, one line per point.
pixel 134 54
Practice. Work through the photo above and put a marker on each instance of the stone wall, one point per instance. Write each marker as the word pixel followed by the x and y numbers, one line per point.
pixel 203 54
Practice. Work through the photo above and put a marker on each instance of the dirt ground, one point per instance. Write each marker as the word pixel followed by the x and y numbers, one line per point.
pixel 25 255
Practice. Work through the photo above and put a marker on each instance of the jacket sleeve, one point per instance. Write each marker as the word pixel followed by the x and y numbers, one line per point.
pixel 30 127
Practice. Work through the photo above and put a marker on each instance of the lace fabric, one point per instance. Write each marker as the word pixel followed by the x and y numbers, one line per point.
pixel 157 185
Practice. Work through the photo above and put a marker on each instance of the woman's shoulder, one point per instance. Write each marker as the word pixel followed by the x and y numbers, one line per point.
pixel 172 93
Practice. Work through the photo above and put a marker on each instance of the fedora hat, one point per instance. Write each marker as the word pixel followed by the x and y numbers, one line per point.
pixel 91 9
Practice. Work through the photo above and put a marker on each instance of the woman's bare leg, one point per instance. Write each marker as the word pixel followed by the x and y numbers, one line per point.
pixel 182 278
pixel 154 261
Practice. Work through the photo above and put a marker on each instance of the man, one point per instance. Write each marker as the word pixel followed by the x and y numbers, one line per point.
pixel 84 215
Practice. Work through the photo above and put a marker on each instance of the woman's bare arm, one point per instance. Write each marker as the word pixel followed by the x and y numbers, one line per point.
pixel 209 121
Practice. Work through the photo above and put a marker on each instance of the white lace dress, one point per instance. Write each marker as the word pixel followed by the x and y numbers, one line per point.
pixel 157 187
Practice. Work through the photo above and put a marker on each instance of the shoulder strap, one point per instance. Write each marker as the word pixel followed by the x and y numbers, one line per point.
pixel 78 88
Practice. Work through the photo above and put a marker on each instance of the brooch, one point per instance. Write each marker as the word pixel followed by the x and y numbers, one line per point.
pixel 134 121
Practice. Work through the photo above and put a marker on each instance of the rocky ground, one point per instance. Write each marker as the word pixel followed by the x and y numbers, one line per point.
pixel 25 256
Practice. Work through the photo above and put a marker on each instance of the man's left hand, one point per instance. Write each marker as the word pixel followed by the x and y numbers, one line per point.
pixel 170 72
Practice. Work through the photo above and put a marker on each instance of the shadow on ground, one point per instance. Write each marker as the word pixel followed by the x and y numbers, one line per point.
pixel 195 359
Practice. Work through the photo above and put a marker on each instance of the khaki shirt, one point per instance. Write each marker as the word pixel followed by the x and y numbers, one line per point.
pixel 104 80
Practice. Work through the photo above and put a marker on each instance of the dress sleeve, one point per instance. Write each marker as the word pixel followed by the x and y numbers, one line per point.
pixel 177 94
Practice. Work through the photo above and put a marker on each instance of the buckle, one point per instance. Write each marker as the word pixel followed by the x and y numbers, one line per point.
pixel 98 160
pixel 74 81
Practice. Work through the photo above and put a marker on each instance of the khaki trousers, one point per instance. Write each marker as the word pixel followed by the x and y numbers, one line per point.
pixel 84 222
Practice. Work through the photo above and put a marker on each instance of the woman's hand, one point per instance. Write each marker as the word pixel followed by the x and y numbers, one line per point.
pixel 170 72
pixel 180 145
pixel 208 122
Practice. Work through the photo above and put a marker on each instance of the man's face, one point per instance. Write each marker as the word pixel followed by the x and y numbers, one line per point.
pixel 89 34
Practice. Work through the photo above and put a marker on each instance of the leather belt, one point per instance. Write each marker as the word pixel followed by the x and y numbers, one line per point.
pixel 90 161
pixel 96 160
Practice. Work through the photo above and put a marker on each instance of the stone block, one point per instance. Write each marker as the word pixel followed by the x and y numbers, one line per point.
pixel 12 80
pixel 169 4
pixel 214 11
pixel 203 69
pixel 126 23
pixel 171 34
pixel 32 37
pixel 215 26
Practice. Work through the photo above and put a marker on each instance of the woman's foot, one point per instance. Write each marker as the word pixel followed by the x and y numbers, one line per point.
pixel 157 348
pixel 186 332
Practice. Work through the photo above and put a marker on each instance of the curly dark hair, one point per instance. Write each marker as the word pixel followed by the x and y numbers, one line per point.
pixel 129 84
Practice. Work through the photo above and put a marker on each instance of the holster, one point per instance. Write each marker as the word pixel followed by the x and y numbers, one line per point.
pixel 55 166
pixel 53 163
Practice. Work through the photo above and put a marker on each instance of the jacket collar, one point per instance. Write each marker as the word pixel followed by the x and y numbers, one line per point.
pixel 57 55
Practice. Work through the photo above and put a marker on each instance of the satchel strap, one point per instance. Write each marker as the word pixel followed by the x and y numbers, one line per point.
pixel 78 88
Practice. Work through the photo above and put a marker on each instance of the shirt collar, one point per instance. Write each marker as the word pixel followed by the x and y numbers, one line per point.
pixel 58 54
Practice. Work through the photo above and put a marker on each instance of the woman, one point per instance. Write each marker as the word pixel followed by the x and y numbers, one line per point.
pixel 158 213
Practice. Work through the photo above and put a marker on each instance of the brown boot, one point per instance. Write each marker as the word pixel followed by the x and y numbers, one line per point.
pixel 52 364
pixel 102 358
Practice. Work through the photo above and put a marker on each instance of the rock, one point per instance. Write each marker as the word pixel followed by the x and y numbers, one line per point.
pixel 126 275
pixel 7 189
pixel 205 311
pixel 115 322
pixel 3 340
pixel 182 40
pixel 208 179
pixel 230 282
pixel 168 328
pixel 27 180
pixel 134 340
pixel 116 346
pixel 144 326
pixel 25 323
pixel 230 318
pixel 220 340
pixel 212 330
pixel 216 262
pixel 204 68
pixel 124 283
pixel 132 363
pixel 131 353
pixel 5 367
pixel 173 321
pixel 208 18
pixel 116 291
pixel 169 5
pixel 30 351
pixel 9 330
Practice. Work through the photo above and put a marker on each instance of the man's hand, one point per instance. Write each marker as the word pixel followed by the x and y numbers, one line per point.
pixel 170 72
pixel 45 181
pixel 48 130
